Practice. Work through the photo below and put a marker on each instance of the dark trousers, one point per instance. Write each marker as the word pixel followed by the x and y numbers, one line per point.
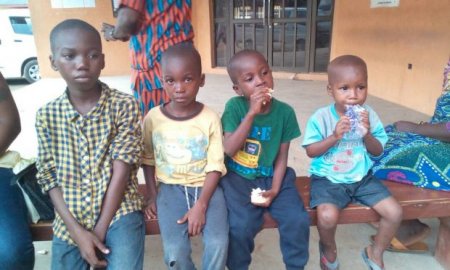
pixel 246 220
pixel 16 246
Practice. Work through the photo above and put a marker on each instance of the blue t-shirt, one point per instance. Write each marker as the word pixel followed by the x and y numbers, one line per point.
pixel 348 160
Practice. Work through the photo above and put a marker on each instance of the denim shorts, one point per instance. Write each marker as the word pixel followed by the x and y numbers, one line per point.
pixel 369 191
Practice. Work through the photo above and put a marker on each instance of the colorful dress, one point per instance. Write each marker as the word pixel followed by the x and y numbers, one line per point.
pixel 164 24
pixel 415 159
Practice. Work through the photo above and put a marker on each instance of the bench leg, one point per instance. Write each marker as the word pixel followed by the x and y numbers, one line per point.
pixel 443 243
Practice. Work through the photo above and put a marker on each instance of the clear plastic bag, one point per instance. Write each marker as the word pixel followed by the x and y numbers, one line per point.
pixel 357 130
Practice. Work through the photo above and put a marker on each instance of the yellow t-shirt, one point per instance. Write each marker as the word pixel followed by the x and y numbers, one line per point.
pixel 183 150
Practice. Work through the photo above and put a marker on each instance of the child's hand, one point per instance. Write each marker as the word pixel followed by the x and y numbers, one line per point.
pixel 88 243
pixel 365 122
pixel 269 195
pixel 405 126
pixel 150 209
pixel 259 99
pixel 342 126
pixel 196 218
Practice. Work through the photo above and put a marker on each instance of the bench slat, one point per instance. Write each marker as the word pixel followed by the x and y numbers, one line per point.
pixel 416 203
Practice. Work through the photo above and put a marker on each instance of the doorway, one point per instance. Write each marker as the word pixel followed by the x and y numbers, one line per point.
pixel 293 35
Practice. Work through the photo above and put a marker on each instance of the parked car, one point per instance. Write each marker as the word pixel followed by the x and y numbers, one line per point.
pixel 18 57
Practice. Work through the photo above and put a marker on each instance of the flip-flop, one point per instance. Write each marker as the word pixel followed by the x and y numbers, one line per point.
pixel 371 264
pixel 324 263
pixel 397 246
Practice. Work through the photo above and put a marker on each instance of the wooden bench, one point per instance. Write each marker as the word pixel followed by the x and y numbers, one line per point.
pixel 416 203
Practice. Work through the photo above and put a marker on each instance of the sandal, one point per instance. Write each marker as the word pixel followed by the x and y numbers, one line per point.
pixel 397 246
pixel 324 263
pixel 371 264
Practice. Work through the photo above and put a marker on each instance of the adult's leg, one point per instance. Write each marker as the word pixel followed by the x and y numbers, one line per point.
pixel 244 218
pixel 293 223
pixel 126 239
pixel 16 245
pixel 66 257
pixel 142 84
pixel 215 233
pixel 172 206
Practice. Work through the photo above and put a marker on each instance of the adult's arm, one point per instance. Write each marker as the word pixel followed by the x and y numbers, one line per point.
pixel 128 24
pixel 9 117
pixel 438 131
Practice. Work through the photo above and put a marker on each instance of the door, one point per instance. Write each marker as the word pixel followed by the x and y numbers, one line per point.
pixel 293 35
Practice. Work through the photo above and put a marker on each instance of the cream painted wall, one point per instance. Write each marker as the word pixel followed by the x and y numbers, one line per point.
pixel 416 32
pixel 44 18
pixel 202 18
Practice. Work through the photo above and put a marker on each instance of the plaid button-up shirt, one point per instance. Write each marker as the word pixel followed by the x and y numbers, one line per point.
pixel 76 153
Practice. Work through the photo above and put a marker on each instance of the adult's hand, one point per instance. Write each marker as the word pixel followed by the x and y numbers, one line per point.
pixel 406 126
pixel 108 31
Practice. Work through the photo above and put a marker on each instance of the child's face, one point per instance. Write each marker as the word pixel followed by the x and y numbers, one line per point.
pixel 252 74
pixel 348 86
pixel 79 59
pixel 182 79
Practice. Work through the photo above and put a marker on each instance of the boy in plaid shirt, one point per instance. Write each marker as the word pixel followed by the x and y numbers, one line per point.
pixel 89 149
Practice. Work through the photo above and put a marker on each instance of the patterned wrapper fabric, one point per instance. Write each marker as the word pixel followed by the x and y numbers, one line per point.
pixel 418 160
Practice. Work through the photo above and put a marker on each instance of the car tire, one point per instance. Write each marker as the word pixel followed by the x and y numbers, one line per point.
pixel 31 71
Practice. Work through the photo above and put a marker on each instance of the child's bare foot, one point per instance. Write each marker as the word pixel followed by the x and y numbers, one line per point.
pixel 412 231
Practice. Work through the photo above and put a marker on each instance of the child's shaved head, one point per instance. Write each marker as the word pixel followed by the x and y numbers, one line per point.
pixel 235 61
pixel 183 50
pixel 334 67
pixel 71 24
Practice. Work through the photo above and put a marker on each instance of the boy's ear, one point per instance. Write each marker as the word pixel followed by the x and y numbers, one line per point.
pixel 237 90
pixel 52 62
pixel 202 80
pixel 103 61
pixel 329 91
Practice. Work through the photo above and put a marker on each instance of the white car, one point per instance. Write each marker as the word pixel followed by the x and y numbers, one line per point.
pixel 18 57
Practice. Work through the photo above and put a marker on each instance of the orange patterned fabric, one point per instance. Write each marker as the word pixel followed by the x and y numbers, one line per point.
pixel 165 23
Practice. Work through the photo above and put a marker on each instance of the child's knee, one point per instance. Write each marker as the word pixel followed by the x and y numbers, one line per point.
pixel 392 211
pixel 216 243
pixel 299 220
pixel 290 173
pixel 395 213
pixel 327 216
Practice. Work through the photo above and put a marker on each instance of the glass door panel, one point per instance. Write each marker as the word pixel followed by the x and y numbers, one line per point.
pixel 249 30
pixel 293 35
pixel 289 34
pixel 323 19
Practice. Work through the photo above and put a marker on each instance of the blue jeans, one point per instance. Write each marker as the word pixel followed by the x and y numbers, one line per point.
pixel 172 205
pixel 16 246
pixel 125 239
pixel 246 220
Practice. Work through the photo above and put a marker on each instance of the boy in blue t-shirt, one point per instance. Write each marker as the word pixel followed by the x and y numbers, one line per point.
pixel 341 165
pixel 257 133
